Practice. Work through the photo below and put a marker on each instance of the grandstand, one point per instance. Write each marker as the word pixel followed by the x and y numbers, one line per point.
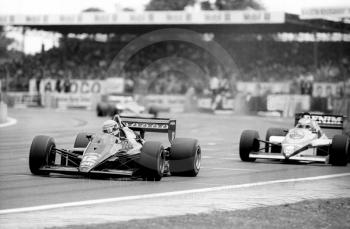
pixel 252 39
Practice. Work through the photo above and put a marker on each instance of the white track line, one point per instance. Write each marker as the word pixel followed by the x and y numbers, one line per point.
pixel 221 158
pixel 10 122
pixel 208 149
pixel 164 194
pixel 211 144
pixel 231 169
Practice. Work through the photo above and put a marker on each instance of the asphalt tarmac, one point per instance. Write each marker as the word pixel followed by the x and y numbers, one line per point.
pixel 218 135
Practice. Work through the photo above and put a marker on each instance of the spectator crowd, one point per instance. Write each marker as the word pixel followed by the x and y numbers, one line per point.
pixel 172 67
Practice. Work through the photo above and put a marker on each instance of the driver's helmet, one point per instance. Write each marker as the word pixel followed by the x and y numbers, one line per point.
pixel 110 126
pixel 305 123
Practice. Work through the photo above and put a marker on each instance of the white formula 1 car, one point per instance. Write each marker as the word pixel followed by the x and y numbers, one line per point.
pixel 125 105
pixel 305 142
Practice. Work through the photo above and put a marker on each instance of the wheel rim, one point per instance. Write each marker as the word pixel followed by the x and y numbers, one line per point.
pixel 161 164
pixel 197 160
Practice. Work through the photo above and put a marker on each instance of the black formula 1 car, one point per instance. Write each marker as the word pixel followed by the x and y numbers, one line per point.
pixel 123 153
pixel 307 141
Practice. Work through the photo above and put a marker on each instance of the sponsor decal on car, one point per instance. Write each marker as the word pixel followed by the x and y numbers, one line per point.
pixel 329 120
pixel 89 160
pixel 147 125
pixel 165 121
pixel 126 145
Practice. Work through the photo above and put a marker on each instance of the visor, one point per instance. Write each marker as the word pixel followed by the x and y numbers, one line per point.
pixel 108 130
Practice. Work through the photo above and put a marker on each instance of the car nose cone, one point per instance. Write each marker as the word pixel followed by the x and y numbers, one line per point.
pixel 288 150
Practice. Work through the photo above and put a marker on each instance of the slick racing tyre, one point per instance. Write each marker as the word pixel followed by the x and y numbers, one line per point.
pixel 81 141
pixel 247 144
pixel 273 132
pixel 339 150
pixel 152 161
pixel 100 112
pixel 114 112
pixel 153 111
pixel 185 157
pixel 41 154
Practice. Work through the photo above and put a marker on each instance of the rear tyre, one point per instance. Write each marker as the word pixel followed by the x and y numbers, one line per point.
pixel 248 143
pixel 41 154
pixel 273 132
pixel 338 155
pixel 185 157
pixel 152 161
pixel 81 141
pixel 114 112
pixel 153 111
pixel 99 112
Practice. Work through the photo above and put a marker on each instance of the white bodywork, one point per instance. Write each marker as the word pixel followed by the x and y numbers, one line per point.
pixel 129 107
pixel 298 144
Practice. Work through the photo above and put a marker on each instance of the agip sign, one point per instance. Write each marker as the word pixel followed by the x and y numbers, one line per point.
pixel 85 87
pixel 76 86
pixel 74 93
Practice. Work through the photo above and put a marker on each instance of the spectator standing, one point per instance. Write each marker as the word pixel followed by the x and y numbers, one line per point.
pixel 224 85
pixel 214 86
pixel 38 81
pixel 329 96
pixel 301 81
pixel 309 84
pixel 66 85
pixel 48 87
pixel 129 85
pixel 58 86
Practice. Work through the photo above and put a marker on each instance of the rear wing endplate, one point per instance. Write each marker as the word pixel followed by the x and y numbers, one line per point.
pixel 323 120
pixel 160 125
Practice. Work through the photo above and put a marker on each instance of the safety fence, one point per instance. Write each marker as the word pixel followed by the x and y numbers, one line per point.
pixel 286 104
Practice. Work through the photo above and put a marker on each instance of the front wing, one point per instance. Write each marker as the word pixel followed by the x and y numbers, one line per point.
pixel 75 171
pixel 279 156
pixel 295 156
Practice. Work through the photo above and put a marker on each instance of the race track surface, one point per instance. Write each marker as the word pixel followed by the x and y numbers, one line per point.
pixel 218 135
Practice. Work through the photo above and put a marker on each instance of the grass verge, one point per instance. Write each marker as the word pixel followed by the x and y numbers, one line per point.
pixel 315 214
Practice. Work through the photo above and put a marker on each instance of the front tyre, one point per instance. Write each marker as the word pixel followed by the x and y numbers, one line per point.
pixel 185 157
pixel 152 161
pixel 41 154
pixel 338 154
pixel 248 143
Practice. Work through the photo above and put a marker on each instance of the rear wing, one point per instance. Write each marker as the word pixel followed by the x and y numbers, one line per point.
pixel 160 125
pixel 324 121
